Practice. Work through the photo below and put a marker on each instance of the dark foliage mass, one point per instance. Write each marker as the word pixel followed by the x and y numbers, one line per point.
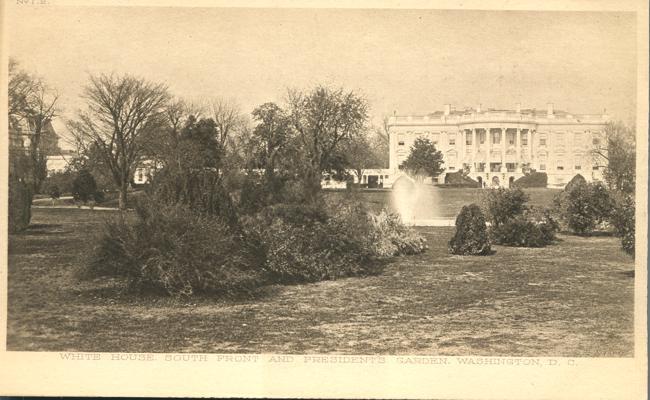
pixel 177 251
pixel 423 160
pixel 504 204
pixel 514 223
pixel 575 182
pixel 20 202
pixel 460 180
pixel 623 220
pixel 583 207
pixel 532 180
pixel 84 186
pixel 522 232
pixel 471 236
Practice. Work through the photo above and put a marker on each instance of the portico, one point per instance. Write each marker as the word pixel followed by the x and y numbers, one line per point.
pixel 497 146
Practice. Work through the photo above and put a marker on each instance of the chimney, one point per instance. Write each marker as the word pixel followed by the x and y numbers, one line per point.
pixel 549 109
pixel 518 106
pixel 478 108
pixel 447 109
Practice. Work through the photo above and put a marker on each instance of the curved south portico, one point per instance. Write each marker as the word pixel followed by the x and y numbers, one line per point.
pixel 496 147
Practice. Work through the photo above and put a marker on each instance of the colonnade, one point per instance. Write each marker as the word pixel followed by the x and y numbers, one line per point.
pixel 490 145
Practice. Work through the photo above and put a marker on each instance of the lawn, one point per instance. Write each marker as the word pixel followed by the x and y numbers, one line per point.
pixel 574 298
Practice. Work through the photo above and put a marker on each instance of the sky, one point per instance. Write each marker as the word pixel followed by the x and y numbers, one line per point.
pixel 402 61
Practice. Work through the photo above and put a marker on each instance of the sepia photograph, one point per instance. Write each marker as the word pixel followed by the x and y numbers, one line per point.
pixel 371 186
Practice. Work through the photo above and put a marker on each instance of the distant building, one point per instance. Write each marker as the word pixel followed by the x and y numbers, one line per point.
pixel 21 136
pixel 59 162
pixel 496 147
pixel 144 171
pixel 370 178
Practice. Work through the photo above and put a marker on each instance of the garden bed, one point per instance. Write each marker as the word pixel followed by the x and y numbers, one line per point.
pixel 571 299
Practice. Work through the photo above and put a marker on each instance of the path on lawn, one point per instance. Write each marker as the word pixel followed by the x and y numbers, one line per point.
pixel 570 299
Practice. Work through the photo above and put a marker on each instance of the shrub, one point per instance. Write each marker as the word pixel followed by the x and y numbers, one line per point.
pixel 384 232
pixel 584 207
pixel 54 192
pixel 99 196
pixel 20 202
pixel 574 182
pixel 301 248
pixel 471 236
pixel 532 180
pixel 544 219
pixel 504 204
pixel 309 243
pixel 459 179
pixel 202 190
pixel 299 214
pixel 623 219
pixel 308 254
pixel 84 186
pixel 62 180
pixel 390 237
pixel 520 232
pixel 178 251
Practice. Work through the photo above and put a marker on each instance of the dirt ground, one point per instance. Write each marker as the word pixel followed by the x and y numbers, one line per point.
pixel 571 299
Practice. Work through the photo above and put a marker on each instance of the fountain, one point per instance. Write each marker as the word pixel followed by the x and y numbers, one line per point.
pixel 417 203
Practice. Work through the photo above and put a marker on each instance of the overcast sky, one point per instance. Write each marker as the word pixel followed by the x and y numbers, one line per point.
pixel 411 62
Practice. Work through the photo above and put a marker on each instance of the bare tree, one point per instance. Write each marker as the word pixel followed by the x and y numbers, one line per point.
pixel 359 155
pixel 122 112
pixel 227 117
pixel 617 155
pixel 32 106
pixel 272 134
pixel 323 118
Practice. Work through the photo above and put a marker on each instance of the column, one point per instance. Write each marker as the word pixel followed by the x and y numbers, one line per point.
pixel 530 147
pixel 488 138
pixel 518 145
pixel 475 147
pixel 462 147
pixel 503 149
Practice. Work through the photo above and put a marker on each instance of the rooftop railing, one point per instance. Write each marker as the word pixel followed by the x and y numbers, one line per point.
pixel 508 116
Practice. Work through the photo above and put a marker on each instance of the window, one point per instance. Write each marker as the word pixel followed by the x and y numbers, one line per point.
pixel 577 139
pixel 595 141
pixel 481 137
pixel 578 167
pixel 542 167
pixel 595 168
pixel 511 139
pixel 542 141
pixel 495 167
pixel 468 140
pixel 496 138
pixel 560 168
pixel 480 167
pixel 400 143
pixel 510 167
pixel 452 141
pixel 524 140
pixel 452 168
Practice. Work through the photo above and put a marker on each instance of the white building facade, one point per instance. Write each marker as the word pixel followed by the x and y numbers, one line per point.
pixel 496 147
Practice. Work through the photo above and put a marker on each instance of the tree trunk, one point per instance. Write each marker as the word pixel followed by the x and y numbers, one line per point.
pixel 122 199
pixel 312 185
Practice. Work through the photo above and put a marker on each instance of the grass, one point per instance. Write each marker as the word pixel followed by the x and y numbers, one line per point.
pixel 574 299
pixel 111 199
